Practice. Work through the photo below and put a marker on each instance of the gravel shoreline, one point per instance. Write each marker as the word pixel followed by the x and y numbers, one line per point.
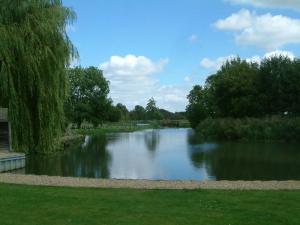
pixel 146 184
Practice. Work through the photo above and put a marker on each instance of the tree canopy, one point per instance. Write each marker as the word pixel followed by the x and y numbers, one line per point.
pixel 152 110
pixel 243 89
pixel 198 108
pixel 88 96
pixel 138 113
pixel 34 51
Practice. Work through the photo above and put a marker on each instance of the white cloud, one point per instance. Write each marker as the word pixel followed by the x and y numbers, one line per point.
pixel 193 38
pixel 238 21
pixel 131 65
pixel 171 97
pixel 277 53
pixel 214 65
pixel 265 31
pixel 132 83
pixel 292 4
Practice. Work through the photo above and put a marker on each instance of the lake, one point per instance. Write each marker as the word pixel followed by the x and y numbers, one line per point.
pixel 170 154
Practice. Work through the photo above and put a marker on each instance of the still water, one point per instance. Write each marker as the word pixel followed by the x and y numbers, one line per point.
pixel 170 154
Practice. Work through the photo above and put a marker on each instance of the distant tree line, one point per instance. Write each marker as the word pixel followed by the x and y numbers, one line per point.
pixel 88 101
pixel 242 89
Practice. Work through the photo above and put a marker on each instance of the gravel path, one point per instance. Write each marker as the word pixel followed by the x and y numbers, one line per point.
pixel 146 184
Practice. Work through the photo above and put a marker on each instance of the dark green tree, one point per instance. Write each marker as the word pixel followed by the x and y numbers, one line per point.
pixel 280 85
pixel 152 110
pixel 167 115
pixel 88 97
pixel 34 51
pixel 123 111
pixel 234 89
pixel 114 114
pixel 198 108
pixel 139 113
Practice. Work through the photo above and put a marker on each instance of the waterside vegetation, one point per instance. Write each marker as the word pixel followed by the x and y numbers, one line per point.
pixel 249 101
pixel 35 49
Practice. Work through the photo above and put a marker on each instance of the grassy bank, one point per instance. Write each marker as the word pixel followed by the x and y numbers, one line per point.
pixel 48 205
pixel 116 127
pixel 130 126
pixel 267 129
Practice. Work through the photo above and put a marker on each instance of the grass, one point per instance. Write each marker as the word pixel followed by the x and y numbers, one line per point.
pixel 130 126
pixel 64 206
pixel 113 128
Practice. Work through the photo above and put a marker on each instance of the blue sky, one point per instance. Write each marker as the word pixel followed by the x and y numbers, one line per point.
pixel 161 48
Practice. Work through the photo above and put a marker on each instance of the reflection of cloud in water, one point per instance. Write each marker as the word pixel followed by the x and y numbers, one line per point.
pixel 131 158
pixel 179 155
pixel 87 140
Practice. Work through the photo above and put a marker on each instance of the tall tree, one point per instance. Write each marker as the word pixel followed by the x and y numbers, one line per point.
pixel 235 89
pixel 152 110
pixel 123 111
pixel 139 113
pixel 198 108
pixel 34 51
pixel 244 89
pixel 280 85
pixel 88 98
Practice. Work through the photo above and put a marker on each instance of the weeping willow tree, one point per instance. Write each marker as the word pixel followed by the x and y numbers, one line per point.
pixel 34 53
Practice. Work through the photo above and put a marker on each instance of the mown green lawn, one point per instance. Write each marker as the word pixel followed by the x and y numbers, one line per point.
pixel 26 205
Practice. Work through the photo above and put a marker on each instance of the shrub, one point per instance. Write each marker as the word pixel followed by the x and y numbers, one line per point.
pixel 267 129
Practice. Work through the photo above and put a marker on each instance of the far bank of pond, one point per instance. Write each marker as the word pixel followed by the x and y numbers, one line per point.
pixel 169 154
pixel 275 128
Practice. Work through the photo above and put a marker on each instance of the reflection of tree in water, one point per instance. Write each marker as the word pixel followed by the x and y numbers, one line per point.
pixel 196 156
pixel 199 152
pixel 246 161
pixel 91 161
pixel 256 161
pixel 152 139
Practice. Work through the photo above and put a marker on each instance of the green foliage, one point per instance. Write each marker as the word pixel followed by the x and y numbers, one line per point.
pixel 139 113
pixel 267 129
pixel 34 51
pixel 167 115
pixel 199 106
pixel 241 89
pixel 123 112
pixel 152 110
pixel 113 127
pixel 114 114
pixel 88 97
pixel 234 89
pixel 280 86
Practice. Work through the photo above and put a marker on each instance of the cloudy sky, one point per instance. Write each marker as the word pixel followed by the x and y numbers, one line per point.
pixel 161 48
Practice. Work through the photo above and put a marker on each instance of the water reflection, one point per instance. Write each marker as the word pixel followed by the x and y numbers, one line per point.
pixel 255 162
pixel 89 160
pixel 151 138
pixel 246 161
pixel 171 154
